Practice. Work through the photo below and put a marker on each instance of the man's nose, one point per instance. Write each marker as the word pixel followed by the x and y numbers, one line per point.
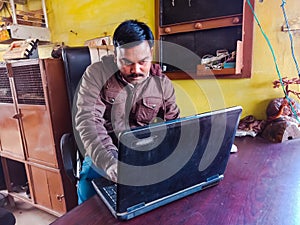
pixel 135 68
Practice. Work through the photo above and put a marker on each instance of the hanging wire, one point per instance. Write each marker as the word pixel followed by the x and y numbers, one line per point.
pixel 290 36
pixel 275 61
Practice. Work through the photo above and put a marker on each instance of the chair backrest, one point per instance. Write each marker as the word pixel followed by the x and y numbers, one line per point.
pixel 76 60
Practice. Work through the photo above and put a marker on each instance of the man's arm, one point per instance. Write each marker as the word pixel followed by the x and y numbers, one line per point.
pixel 88 121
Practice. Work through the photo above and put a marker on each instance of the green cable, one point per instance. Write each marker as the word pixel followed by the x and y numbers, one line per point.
pixel 275 60
pixel 290 36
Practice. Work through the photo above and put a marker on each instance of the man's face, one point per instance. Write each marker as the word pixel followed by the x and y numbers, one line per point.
pixel 134 63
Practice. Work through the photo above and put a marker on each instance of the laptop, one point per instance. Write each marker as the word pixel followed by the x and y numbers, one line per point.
pixel 167 161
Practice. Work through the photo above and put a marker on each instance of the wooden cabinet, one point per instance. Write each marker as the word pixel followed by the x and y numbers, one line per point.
pixel 190 31
pixel 34 115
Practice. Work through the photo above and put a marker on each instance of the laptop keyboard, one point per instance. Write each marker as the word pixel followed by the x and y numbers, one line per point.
pixel 111 191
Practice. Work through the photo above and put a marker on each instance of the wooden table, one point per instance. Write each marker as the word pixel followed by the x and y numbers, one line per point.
pixel 261 186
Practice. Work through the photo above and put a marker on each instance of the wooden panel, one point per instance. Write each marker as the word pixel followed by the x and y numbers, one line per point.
pixel 11 142
pixel 40 186
pixel 235 20
pixel 47 188
pixel 56 192
pixel 52 72
pixel 38 135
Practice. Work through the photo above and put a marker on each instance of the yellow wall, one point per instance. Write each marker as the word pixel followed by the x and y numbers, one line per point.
pixel 93 18
pixel 90 18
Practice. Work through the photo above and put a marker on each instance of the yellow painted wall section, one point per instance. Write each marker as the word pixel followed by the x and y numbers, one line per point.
pixel 74 22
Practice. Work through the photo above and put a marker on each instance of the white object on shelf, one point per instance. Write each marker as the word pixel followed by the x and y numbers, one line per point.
pixel 19 31
pixel 29 32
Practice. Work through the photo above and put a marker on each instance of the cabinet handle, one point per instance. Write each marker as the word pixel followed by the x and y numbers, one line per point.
pixel 60 197
pixel 198 25
pixel 17 116
pixel 235 20
pixel 168 30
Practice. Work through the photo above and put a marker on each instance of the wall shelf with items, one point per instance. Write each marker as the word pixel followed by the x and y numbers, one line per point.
pixel 201 29
pixel 23 24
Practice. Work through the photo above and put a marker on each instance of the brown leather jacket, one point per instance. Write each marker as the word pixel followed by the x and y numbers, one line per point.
pixel 106 105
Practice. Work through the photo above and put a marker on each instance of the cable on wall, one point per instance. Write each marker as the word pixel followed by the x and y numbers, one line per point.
pixel 290 36
pixel 274 59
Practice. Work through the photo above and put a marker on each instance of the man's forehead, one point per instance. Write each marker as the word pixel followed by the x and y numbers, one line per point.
pixel 138 52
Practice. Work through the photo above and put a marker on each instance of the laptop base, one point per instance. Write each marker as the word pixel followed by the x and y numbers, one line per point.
pixel 144 208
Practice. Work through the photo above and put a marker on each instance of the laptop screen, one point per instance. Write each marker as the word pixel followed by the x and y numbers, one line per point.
pixel 164 158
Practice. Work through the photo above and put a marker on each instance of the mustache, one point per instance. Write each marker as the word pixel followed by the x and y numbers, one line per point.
pixel 135 75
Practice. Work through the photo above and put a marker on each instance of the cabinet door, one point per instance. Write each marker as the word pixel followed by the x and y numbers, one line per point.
pixel 35 119
pixel 11 142
pixel 47 188
pixel 10 138
pixel 57 195
pixel 38 135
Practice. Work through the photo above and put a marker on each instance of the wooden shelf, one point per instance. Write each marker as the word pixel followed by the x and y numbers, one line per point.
pixel 234 20
pixel 12 156
pixel 208 72
pixel 24 198
pixel 204 32
pixel 25 24
pixel 21 195
pixel 202 71
pixel 224 73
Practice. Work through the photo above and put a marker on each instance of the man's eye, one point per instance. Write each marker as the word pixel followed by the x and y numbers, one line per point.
pixel 144 62
pixel 127 63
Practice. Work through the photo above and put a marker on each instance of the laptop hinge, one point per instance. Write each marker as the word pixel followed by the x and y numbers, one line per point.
pixel 142 204
pixel 212 178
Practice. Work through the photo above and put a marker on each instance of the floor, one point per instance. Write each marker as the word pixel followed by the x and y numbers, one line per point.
pixel 26 214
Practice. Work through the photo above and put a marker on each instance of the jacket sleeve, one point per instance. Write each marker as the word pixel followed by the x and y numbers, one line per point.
pixel 171 109
pixel 88 122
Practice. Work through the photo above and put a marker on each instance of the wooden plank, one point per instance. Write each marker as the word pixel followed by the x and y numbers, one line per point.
pixel 235 20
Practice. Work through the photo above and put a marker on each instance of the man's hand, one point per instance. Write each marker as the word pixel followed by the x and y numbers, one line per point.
pixel 112 172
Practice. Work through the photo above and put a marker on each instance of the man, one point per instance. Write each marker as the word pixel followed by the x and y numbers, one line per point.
pixel 119 92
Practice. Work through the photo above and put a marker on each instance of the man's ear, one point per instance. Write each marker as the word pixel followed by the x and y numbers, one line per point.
pixel 152 53
pixel 115 56
pixel 152 50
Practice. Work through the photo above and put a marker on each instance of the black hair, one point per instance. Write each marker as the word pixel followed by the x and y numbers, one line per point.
pixel 131 33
